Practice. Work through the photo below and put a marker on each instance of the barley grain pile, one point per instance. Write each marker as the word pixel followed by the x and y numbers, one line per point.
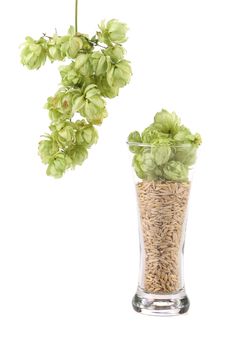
pixel 162 210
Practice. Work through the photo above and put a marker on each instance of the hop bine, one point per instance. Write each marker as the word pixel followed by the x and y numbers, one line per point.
pixel 97 69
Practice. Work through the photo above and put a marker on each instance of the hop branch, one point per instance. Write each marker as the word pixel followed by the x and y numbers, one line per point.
pixel 97 69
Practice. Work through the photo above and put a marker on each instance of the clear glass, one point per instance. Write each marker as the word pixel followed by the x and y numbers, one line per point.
pixel 162 213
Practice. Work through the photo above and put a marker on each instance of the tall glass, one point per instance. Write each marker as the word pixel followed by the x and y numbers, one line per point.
pixel 162 212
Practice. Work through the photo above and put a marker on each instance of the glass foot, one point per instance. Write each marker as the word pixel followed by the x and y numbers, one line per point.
pixel 161 304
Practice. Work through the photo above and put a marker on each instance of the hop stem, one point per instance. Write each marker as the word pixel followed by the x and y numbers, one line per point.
pixel 76 16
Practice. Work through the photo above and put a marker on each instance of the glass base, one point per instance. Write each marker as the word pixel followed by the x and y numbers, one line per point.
pixel 161 304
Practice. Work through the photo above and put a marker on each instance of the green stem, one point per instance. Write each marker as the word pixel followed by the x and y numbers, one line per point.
pixel 76 16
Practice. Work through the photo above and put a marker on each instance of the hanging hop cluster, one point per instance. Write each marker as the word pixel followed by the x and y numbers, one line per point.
pixel 97 70
pixel 165 150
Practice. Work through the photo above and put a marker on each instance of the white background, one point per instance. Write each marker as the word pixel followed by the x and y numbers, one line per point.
pixel 69 248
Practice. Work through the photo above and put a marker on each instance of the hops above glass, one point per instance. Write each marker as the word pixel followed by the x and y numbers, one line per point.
pixel 165 150
pixel 97 69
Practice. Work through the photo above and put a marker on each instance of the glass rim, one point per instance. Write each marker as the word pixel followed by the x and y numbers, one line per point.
pixel 149 145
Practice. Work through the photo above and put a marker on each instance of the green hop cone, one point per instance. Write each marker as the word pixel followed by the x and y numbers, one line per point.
pixel 112 32
pixel 105 89
pixel 86 134
pixel 47 149
pixel 58 165
pixel 91 105
pixel 148 164
pixel 69 75
pixel 119 74
pixel 78 155
pixel 161 153
pixel 75 45
pixel 184 135
pixel 116 53
pixel 83 64
pixel 67 146
pixel 167 122
pixel 145 166
pixel 116 76
pixel 64 104
pixel 99 63
pixel 60 105
pixel 152 136
pixel 147 161
pixel 175 171
pixel 71 44
pixel 34 53
pixel 137 160
pixel 186 153
pixel 66 135
pixel 64 45
pixel 86 45
pixel 54 53
pixel 134 137
pixel 54 49
pixel 117 31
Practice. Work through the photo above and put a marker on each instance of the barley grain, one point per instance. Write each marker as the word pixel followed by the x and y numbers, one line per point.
pixel 162 207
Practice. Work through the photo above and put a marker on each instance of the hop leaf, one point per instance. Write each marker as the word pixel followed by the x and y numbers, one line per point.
pixel 34 53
